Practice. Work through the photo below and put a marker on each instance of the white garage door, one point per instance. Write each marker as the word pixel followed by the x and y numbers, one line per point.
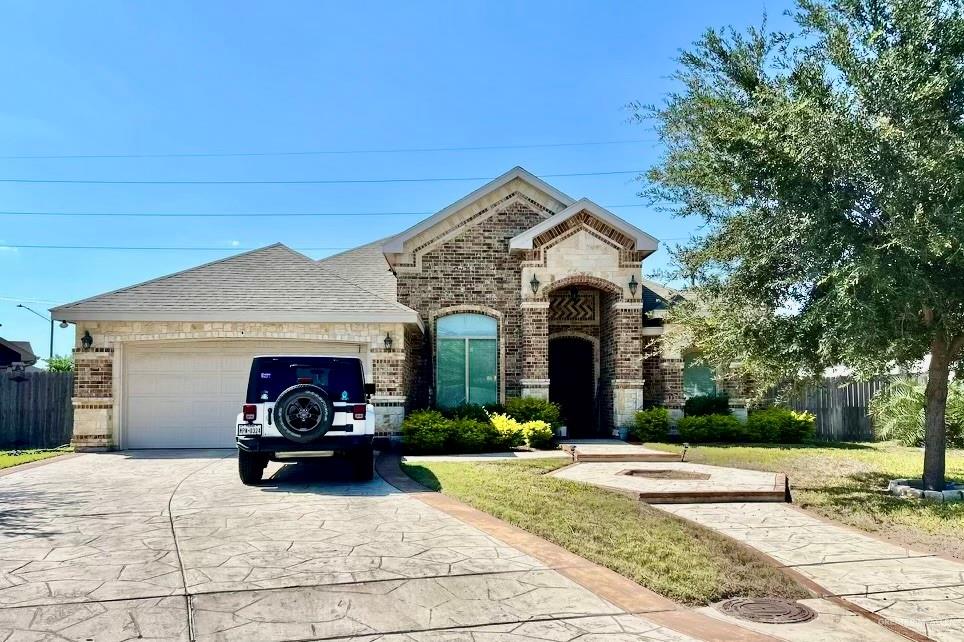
pixel 187 395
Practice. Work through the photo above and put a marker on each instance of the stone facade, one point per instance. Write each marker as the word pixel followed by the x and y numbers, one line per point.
pixel 97 390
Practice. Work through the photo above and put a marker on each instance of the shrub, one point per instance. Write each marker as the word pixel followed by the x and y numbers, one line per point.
pixel 538 434
pixel 780 426
pixel 425 431
pixel 700 405
pixel 524 409
pixel 897 412
pixel 510 431
pixel 467 411
pixel 651 425
pixel 60 363
pixel 711 428
pixel 471 436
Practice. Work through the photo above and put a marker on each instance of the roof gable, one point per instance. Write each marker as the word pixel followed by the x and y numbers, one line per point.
pixel 642 241
pixel 397 244
pixel 273 283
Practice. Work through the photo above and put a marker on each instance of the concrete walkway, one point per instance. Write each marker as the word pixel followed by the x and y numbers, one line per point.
pixel 920 591
pixel 170 546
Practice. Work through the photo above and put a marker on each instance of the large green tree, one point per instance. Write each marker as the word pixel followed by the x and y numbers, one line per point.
pixel 827 166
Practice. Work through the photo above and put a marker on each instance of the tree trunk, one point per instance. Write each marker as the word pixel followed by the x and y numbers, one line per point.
pixel 936 404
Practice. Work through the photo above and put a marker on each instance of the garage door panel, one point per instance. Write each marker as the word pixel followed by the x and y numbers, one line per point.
pixel 187 395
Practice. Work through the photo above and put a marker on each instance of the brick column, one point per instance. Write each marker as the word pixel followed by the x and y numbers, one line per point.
pixel 93 399
pixel 626 327
pixel 535 349
pixel 671 370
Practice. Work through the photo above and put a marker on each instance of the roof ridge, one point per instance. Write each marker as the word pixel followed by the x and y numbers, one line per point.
pixel 172 274
pixel 356 248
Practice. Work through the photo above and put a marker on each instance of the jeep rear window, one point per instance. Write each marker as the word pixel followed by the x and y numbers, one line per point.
pixel 342 379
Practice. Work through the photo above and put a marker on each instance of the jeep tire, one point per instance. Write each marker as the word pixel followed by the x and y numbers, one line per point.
pixel 303 413
pixel 251 467
pixel 363 463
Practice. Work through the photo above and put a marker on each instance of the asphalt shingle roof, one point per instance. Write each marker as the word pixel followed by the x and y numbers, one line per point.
pixel 366 266
pixel 272 283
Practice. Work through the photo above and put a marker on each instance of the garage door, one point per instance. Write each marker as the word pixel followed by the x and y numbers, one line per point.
pixel 187 395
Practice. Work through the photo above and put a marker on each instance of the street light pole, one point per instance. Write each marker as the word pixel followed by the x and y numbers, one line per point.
pixel 45 318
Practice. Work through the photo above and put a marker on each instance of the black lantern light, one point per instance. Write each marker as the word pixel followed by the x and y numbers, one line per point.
pixel 534 284
pixel 388 341
pixel 633 284
pixel 86 341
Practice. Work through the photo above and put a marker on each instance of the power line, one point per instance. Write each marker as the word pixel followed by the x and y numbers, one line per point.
pixel 326 152
pixel 327 181
pixel 236 214
pixel 178 248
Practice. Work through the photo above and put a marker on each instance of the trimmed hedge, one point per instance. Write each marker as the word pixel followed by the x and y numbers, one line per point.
pixel 769 426
pixel 524 409
pixel 700 405
pixel 425 431
pixel 650 425
pixel 430 432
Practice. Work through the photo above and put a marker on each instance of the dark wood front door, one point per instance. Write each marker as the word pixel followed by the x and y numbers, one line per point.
pixel 572 383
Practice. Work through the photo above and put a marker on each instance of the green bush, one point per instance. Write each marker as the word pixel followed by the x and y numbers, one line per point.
pixel 426 432
pixel 538 434
pixel 897 412
pixel 467 411
pixel 700 405
pixel 711 428
pixel 524 409
pixel 471 436
pixel 780 426
pixel 650 425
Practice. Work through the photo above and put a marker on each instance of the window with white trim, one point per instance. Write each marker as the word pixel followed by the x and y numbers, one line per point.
pixel 467 360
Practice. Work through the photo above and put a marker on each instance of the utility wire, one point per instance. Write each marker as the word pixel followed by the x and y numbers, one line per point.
pixel 326 181
pixel 326 152
pixel 179 248
pixel 236 214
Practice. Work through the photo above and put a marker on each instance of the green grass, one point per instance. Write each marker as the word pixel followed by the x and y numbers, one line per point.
pixel 848 483
pixel 10 458
pixel 682 561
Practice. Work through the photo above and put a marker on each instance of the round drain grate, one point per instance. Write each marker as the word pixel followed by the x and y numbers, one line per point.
pixel 769 610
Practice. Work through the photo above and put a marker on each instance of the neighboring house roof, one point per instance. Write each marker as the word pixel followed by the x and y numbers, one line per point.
pixel 273 283
pixel 22 348
pixel 396 243
pixel 644 242
pixel 366 266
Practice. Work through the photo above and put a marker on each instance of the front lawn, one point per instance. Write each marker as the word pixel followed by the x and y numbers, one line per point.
pixel 10 458
pixel 681 561
pixel 847 482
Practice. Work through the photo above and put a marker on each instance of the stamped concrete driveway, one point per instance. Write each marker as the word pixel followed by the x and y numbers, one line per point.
pixel 170 546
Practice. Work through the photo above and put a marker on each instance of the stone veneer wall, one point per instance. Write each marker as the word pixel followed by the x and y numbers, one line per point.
pixel 94 385
pixel 475 268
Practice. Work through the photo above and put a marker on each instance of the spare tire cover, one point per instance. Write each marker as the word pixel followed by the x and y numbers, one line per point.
pixel 303 413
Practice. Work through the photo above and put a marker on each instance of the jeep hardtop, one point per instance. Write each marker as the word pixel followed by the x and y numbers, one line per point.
pixel 301 407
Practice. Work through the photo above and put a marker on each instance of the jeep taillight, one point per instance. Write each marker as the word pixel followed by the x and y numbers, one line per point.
pixel 250 412
pixel 358 410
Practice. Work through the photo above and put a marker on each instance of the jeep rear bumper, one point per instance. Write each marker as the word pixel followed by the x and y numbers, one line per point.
pixel 271 445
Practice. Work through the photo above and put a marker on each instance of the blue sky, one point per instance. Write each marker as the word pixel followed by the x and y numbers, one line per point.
pixel 185 77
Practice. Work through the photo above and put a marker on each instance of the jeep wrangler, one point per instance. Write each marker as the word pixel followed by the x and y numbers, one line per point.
pixel 302 407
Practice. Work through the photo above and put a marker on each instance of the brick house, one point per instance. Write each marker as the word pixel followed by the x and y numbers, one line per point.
pixel 516 289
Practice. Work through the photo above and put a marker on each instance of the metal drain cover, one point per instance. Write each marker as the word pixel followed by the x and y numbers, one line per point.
pixel 769 610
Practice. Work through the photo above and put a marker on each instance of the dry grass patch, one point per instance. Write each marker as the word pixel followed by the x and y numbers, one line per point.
pixel 672 557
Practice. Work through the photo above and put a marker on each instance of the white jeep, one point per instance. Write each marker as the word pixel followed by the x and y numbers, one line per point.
pixel 302 407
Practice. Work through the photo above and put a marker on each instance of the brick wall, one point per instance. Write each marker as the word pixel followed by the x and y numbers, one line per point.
pixel 475 268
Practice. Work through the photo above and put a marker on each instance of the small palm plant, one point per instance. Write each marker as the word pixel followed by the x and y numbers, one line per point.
pixel 897 412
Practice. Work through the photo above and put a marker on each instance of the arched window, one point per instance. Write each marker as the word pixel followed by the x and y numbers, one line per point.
pixel 467 360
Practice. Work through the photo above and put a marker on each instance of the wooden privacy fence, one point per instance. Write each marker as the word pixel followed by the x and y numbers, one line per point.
pixel 840 406
pixel 36 412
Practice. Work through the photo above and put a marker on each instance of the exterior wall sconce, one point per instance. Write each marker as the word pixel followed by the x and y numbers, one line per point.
pixel 388 341
pixel 86 341
pixel 534 284
pixel 633 284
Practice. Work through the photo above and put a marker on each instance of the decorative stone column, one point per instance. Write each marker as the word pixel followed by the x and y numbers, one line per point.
pixel 535 349
pixel 93 400
pixel 626 335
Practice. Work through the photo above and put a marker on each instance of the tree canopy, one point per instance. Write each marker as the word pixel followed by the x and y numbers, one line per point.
pixel 827 166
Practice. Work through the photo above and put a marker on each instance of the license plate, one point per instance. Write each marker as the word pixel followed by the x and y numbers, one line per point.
pixel 245 430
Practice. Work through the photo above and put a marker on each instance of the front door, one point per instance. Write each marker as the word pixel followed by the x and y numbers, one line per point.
pixel 572 384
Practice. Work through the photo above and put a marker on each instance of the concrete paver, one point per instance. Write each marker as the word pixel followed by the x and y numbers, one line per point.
pixel 87 551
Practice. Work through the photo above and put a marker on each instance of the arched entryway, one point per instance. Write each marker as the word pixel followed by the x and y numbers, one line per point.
pixel 573 383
